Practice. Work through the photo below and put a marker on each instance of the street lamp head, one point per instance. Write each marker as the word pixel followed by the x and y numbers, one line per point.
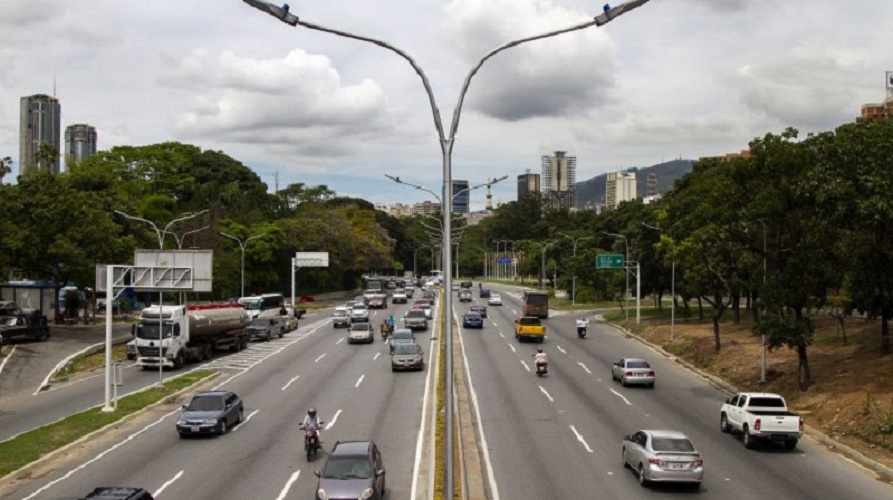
pixel 611 12
pixel 281 13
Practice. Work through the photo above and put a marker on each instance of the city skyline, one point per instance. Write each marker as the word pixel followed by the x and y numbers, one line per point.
pixel 322 110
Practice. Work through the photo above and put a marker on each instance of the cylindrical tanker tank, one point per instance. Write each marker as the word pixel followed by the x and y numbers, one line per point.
pixel 206 321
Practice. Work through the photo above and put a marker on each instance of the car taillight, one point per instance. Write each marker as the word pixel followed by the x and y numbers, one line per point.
pixel 629 374
pixel 756 424
pixel 656 461
pixel 697 462
pixel 801 426
pixel 651 373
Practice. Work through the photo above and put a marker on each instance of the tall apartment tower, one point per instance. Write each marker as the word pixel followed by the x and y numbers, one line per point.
pixel 619 187
pixel 39 122
pixel 461 197
pixel 80 143
pixel 528 184
pixel 559 180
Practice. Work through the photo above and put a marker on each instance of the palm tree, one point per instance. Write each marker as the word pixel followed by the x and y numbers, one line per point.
pixel 5 167
pixel 46 155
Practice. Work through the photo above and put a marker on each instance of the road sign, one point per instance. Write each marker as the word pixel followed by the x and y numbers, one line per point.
pixel 504 260
pixel 312 259
pixel 609 261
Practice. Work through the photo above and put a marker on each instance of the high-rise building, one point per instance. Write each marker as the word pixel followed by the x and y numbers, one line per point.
pixel 528 184
pixel 39 123
pixel 80 143
pixel 426 208
pixel 559 180
pixel 880 111
pixel 461 197
pixel 619 187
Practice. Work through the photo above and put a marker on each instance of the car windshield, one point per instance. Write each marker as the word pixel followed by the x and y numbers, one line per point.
pixel 347 468
pixel 206 403
pixel 407 349
pixel 359 326
pixel 415 313
pixel 473 315
pixel 339 313
pixel 672 444
pixel 150 331
pixel 637 364
pixel 359 307
pixel 403 334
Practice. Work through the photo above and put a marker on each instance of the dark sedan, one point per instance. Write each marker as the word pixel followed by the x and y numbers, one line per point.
pixel 472 320
pixel 213 412
pixel 354 470
pixel 485 293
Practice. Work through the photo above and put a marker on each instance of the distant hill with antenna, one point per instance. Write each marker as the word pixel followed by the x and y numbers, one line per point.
pixel 591 192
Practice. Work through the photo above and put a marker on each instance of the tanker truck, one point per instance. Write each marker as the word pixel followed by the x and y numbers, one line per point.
pixel 189 333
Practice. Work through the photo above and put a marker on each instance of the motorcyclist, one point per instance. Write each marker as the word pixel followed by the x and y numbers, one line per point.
pixel 311 422
pixel 390 321
pixel 540 358
pixel 582 323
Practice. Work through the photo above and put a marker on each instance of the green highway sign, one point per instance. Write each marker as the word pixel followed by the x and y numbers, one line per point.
pixel 609 261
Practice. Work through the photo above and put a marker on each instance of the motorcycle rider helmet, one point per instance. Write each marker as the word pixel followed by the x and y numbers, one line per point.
pixel 311 412
pixel 539 350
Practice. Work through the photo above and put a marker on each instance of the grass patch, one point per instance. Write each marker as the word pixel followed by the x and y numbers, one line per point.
pixel 30 446
pixel 440 428
pixel 92 362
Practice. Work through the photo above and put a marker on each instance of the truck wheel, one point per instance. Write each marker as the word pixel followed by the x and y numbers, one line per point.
pixel 178 361
pixel 746 439
pixel 724 424
pixel 790 444
pixel 44 335
pixel 207 352
pixel 281 333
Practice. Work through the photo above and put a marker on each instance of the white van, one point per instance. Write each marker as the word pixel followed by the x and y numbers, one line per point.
pixel 341 317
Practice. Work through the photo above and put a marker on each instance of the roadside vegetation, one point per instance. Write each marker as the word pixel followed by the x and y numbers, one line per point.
pixel 32 445
pixel 91 362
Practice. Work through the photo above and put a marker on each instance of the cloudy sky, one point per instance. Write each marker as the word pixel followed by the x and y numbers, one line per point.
pixel 672 79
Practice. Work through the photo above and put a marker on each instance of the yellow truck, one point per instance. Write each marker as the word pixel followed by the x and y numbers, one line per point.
pixel 529 327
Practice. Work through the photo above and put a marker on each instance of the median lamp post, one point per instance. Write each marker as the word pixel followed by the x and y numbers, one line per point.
pixel 242 244
pixel 160 234
pixel 447 140
pixel 415 272
pixel 764 347
pixel 672 287
pixel 180 239
pixel 574 276
pixel 627 268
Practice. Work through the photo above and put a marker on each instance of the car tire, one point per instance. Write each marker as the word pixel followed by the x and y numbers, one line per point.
pixel 695 486
pixel 241 416
pixel 223 428
pixel 790 444
pixel 625 463
pixel 724 424
pixel 642 479
pixel 281 333
pixel 623 380
pixel 746 439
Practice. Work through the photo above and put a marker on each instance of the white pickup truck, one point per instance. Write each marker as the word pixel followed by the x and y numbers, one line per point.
pixel 761 416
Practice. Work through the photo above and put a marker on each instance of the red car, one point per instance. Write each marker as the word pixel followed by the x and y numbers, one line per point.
pixel 378 302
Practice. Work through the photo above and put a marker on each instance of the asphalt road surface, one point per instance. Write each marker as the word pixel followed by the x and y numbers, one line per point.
pixel 357 395
pixel 559 436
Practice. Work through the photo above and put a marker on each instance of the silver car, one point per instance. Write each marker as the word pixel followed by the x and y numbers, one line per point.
pixel 633 372
pixel 359 314
pixel 407 357
pixel 360 332
pixel 663 456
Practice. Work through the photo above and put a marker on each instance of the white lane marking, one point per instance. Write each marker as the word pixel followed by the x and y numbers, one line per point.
pixel 339 341
pixel 621 397
pixel 100 455
pixel 376 356
pixel 291 481
pixel 584 367
pixel 547 394
pixel 157 494
pixel 7 358
pixel 319 358
pixel 491 477
pixel 580 439
pixel 525 364
pixel 250 415
pixel 514 311
pixel 560 349
pixel 296 377
pixel 334 419
pixel 360 381
pixel 501 335
pixel 513 348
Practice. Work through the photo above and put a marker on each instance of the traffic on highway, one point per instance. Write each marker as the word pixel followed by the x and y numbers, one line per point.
pixel 340 408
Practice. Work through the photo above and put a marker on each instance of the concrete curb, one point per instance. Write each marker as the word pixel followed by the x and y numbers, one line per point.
pixel 58 451
pixel 878 468
pixel 93 349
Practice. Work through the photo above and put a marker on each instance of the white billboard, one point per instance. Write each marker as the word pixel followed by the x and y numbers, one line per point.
pixel 312 259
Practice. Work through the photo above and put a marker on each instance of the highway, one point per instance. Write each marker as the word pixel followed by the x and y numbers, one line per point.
pixel 559 436
pixel 357 396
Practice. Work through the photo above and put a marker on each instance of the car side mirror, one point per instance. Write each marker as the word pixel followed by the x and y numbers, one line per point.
pixel 728 401
pixel 316 473
pixel 183 406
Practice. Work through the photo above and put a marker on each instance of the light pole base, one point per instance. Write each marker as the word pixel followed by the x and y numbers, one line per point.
pixel 108 409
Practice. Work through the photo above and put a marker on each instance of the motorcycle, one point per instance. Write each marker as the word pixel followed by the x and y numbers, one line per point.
pixel 542 369
pixel 386 330
pixel 312 443
pixel 581 331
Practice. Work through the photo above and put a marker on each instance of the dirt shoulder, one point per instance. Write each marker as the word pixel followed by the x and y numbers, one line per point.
pixel 851 399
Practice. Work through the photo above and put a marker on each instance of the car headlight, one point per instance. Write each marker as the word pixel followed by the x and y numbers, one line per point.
pixel 367 493
pixel 210 421
pixel 181 419
pixel 321 494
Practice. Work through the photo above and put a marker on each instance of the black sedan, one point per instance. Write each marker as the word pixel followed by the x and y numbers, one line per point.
pixel 212 412
pixel 472 320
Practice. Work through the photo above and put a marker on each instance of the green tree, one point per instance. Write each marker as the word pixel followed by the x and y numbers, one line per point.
pixel 5 167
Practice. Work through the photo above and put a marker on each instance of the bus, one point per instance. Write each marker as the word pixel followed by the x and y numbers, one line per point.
pixel 258 303
pixel 536 304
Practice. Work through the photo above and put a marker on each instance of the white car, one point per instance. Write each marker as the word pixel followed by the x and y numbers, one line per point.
pixel 429 313
pixel 359 314
pixel 494 300
pixel 341 317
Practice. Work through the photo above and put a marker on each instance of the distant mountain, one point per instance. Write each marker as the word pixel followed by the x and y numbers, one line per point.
pixel 591 193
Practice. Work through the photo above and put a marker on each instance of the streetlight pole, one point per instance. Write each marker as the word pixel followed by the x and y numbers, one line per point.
pixel 242 244
pixel 573 266
pixel 626 267
pixel 763 336
pixel 160 234
pixel 446 146
pixel 672 287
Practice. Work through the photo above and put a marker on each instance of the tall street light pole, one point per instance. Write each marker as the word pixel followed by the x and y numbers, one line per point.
pixel 446 147
pixel 626 266
pixel 160 234
pixel 242 244
pixel 573 266
pixel 672 287
pixel 763 336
